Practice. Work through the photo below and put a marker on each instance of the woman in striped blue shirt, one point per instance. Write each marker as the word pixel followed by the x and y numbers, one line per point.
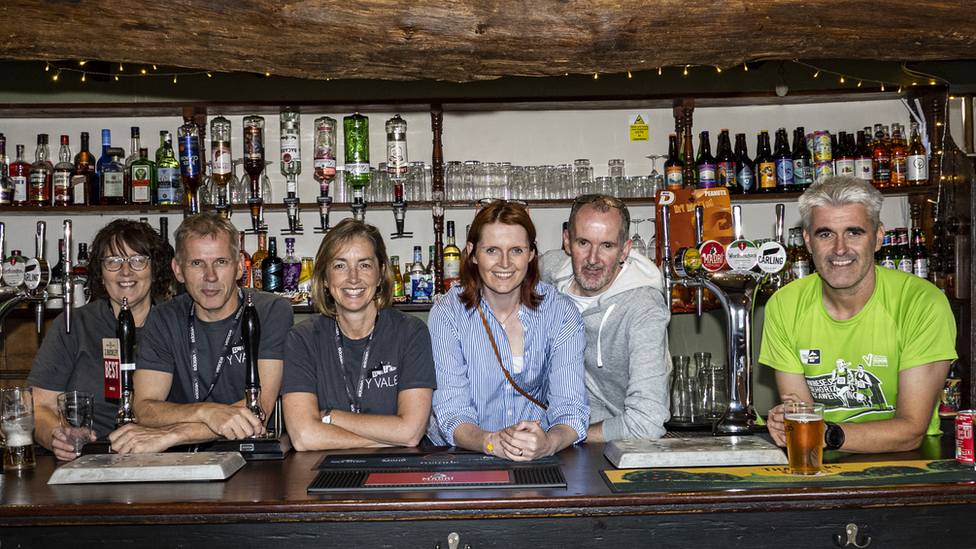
pixel 508 349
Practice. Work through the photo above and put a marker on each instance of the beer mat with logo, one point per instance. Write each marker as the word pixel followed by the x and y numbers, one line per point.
pixel 882 473
pixel 432 471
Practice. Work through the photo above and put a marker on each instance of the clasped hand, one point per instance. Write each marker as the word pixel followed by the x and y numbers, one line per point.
pixel 524 441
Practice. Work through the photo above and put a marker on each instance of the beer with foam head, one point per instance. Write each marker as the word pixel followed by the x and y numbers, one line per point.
pixel 804 436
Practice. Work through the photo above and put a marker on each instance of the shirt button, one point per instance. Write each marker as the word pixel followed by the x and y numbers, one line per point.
pixel 509 412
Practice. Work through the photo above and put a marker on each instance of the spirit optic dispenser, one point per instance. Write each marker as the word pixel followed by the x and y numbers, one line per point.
pixel 396 169
pixel 324 169
pixel 356 136
pixel 291 166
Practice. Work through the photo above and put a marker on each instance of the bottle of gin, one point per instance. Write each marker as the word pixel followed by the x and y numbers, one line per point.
pixel 292 267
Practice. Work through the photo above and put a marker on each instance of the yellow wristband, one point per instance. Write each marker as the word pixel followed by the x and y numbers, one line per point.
pixel 491 447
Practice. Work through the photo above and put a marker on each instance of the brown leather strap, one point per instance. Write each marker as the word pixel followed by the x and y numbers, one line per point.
pixel 499 357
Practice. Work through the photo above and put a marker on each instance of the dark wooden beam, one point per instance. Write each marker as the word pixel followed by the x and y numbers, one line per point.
pixel 466 40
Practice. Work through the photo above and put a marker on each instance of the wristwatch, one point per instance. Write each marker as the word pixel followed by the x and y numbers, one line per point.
pixel 833 436
pixel 327 417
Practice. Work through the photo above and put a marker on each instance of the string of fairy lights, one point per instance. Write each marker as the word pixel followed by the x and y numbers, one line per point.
pixel 843 78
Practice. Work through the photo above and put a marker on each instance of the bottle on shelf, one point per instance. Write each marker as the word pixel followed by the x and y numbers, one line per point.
pixel 783 161
pixel 765 164
pixel 115 191
pixel 429 270
pixel 881 156
pixel 673 165
pixel 305 276
pixel 705 162
pixel 905 252
pixel 864 158
pixel 800 260
pixel 168 180
pixel 726 166
pixel 746 176
pixel 6 184
pixel 292 267
pixel 40 174
pixel 79 271
pixel 257 259
pixel 20 175
pixel 452 259
pixel 917 164
pixel 920 253
pixel 221 159
pixel 245 280
pixel 899 158
pixel 419 289
pixel 802 161
pixel 398 294
pixel 356 138
pixel 96 194
pixel 272 269
pixel 134 146
pixel 191 173
pixel 142 179
pixel 63 172
pixel 56 287
pixel 844 159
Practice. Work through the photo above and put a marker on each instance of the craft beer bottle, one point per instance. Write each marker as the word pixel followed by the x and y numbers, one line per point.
pixel 917 164
pixel 746 176
pixel 673 166
pixel 765 164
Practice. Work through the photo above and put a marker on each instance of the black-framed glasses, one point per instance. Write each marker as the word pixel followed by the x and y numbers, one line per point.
pixel 136 262
pixel 484 202
pixel 611 201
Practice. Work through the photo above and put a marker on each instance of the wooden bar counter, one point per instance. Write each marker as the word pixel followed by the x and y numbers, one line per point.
pixel 265 505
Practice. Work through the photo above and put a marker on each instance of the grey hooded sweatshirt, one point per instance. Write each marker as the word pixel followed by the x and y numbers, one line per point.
pixel 628 367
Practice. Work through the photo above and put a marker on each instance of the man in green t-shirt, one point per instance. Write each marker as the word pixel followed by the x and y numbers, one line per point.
pixel 872 344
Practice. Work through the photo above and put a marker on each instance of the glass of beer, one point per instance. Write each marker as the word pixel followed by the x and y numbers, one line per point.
pixel 804 436
pixel 17 423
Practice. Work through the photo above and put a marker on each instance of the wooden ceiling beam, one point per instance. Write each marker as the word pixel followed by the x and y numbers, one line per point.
pixel 467 40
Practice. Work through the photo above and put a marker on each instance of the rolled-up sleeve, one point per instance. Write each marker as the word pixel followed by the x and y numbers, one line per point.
pixel 452 404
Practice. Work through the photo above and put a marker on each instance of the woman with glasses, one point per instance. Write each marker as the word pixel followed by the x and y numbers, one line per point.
pixel 130 261
pixel 508 349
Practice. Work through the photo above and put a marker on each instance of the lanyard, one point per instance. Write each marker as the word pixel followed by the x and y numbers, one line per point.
pixel 355 403
pixel 194 365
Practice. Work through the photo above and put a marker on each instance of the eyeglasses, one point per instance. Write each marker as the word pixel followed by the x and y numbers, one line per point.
pixel 114 263
pixel 485 202
pixel 611 201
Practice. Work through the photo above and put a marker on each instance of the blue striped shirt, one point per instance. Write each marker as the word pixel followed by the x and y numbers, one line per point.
pixel 471 387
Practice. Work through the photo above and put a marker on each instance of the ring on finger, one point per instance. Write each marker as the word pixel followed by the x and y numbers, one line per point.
pixel 520 452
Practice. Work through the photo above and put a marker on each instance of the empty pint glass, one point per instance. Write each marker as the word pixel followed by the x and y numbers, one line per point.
pixel 804 436
pixel 17 422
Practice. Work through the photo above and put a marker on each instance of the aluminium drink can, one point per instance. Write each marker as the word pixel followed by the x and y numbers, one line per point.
pixel 964 436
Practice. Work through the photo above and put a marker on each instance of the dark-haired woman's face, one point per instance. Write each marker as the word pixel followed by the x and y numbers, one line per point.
pixel 503 256
pixel 126 282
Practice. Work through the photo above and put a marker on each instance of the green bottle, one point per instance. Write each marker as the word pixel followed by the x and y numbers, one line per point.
pixel 356 134
pixel 142 179
pixel 168 182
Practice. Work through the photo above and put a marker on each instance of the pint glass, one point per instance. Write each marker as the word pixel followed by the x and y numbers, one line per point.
pixel 804 436
pixel 17 422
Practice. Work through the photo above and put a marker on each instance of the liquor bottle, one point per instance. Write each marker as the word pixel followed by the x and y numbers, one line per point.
pixel 920 253
pixel 84 156
pixel 673 165
pixel 221 159
pixel 881 156
pixel 399 296
pixel 85 173
pixel 20 175
pixel 56 287
pixel 726 168
pixel 291 148
pixel 452 259
pixel 292 267
pixel 6 184
pixel 905 253
pixel 96 194
pixel 844 159
pixel 802 162
pixel 63 172
pixel 765 164
pixel 429 271
pixel 899 159
pixel 783 160
pixel 256 262
pixel 418 278
pixel 305 277
pixel 40 175
pixel 863 159
pixel 356 136
pixel 79 271
pixel 254 166
pixel 168 181
pixel 272 269
pixel 324 169
pixel 134 146
pixel 245 280
pixel 251 337
pixel 705 163
pixel 142 179
pixel 889 256
pixel 746 176
pixel 188 141
pixel 114 188
pixel 801 260
pixel 917 164
pixel 125 331
pixel 396 148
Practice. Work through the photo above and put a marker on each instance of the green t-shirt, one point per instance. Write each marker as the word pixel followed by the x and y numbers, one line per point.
pixel 852 366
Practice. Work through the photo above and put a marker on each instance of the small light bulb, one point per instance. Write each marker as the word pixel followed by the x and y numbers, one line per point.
pixel 47 67
pixel 841 79
pixel 899 89
pixel 82 63
pixel 718 69
pixel 209 75
pixel 882 86
pixel 746 67
pixel 859 83
pixel 174 79
pixel 629 75
pixel 686 70
pixel 268 74
pixel 659 71
pixel 120 67
pixel 116 78
pixel 82 77
pixel 143 71
pixel 154 67
pixel 595 76
pixel 816 74
pixel 55 78
pixel 932 82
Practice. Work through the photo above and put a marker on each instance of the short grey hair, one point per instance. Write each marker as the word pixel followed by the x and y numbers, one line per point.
pixel 838 191
pixel 205 224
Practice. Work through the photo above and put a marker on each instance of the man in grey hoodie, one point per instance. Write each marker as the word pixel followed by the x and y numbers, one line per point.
pixel 621 296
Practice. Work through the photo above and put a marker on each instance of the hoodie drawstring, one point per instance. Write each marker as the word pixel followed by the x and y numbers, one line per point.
pixel 599 336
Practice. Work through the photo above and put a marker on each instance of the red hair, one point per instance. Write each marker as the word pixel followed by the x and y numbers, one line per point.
pixel 506 213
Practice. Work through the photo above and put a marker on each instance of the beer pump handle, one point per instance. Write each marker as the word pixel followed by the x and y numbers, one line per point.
pixel 2 234
pixel 780 216
pixel 737 222
pixel 39 239
pixel 699 238
pixel 67 284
